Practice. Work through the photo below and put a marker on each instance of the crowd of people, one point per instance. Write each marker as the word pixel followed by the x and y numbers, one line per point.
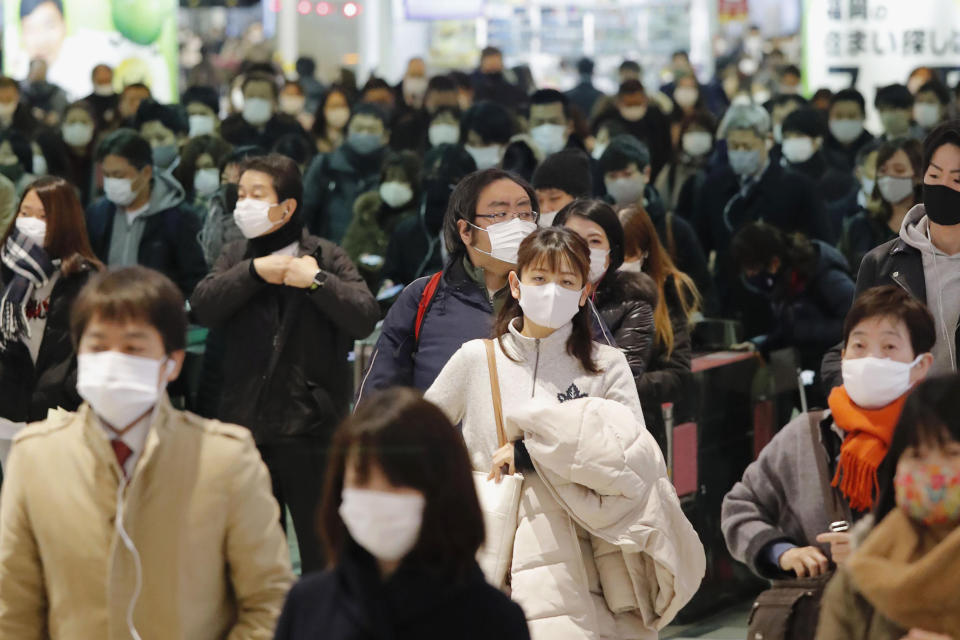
pixel 183 286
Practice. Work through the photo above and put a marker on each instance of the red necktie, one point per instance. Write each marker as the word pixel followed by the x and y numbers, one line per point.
pixel 122 451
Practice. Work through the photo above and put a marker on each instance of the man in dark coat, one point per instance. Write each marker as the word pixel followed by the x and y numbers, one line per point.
pixel 641 118
pixel 584 96
pixel 259 124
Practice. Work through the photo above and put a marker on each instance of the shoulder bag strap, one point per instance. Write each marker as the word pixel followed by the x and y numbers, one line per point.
pixel 495 391
pixel 835 511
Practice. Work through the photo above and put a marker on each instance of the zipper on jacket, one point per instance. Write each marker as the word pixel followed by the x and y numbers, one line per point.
pixel 536 368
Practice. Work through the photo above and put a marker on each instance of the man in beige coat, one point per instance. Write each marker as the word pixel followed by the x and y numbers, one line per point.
pixel 128 518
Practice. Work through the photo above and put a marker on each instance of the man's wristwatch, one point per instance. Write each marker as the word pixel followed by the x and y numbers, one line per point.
pixel 319 280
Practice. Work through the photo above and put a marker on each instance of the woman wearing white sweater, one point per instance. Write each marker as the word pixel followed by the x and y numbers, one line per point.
pixel 545 356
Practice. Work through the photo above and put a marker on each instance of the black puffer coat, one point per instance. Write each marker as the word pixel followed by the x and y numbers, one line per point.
pixel 626 302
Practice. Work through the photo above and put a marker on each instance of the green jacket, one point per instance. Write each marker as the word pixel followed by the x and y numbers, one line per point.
pixel 369 231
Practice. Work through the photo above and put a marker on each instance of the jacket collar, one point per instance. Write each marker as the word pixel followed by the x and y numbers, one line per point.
pixel 99 443
pixel 522 346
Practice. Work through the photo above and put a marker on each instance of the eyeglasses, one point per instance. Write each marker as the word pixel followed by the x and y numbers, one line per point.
pixel 526 216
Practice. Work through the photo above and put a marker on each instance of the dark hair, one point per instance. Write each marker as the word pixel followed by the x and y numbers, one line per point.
pixel 490 51
pixel 806 121
pixel 629 65
pixel 6 82
pixel 260 76
pixel 930 416
pixel 206 96
pixel 218 149
pixel 758 243
pixel 630 86
pixel 491 121
pixel 319 129
pixel 295 146
pixel 441 83
pixel 585 66
pixel 136 85
pixel 944 133
pixel 519 158
pixel 375 84
pixel 849 95
pixel 462 80
pixel 284 173
pixel 792 69
pixel 169 116
pixel 551 96
pixel 554 246
pixel 370 109
pixel 129 145
pixel 464 199
pixel 133 293
pixel 409 163
pixel 602 214
pixel 702 119
pixel 914 153
pixel 417 447
pixel 240 154
pixel 66 238
pixel 623 150
pixel 29 6
pixel 893 96
pixel 784 98
pixel 296 84
pixel 97 67
pixel 20 146
pixel 890 301
pixel 55 152
pixel 612 124
pixel 938 89
pixel 305 66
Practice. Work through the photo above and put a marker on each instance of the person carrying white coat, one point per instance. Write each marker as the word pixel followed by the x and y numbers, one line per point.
pixel 544 353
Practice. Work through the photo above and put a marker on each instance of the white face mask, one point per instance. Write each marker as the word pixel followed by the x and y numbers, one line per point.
pixel 201 125
pixel 697 143
pixel 120 388
pixel 549 305
pixel 598 149
pixel 387 525
pixel 485 157
pixel 39 165
pixel 505 238
pixel 337 117
pixel 598 264
pixel 894 189
pixel 686 96
pixel 846 131
pixel 798 150
pixel 33 228
pixel 778 133
pixel 873 383
pixel 550 138
pixel 119 191
pixel 253 217
pixel 103 89
pixel 396 194
pixel 257 111
pixel 635 266
pixel 546 219
pixel 206 181
pixel 292 105
pixel 867 185
pixel 926 114
pixel 626 191
pixel 77 134
pixel 443 133
pixel 634 113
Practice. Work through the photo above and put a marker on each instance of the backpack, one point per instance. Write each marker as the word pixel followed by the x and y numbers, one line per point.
pixel 426 298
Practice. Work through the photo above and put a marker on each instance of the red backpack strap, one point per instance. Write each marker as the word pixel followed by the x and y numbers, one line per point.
pixel 425 299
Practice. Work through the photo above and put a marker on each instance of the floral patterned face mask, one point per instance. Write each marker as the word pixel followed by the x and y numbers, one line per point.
pixel 929 492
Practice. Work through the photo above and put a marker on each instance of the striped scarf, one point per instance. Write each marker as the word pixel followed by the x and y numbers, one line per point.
pixel 31 268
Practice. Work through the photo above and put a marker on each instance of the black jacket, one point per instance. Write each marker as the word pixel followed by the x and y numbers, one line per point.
pixel 584 96
pixel 241 133
pixel 29 389
pixel 653 130
pixel 848 153
pixel 350 602
pixel 331 185
pixel 496 88
pixel 626 302
pixel 285 370
pixel 862 233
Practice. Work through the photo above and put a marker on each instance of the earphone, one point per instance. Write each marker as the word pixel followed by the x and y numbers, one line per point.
pixel 137 565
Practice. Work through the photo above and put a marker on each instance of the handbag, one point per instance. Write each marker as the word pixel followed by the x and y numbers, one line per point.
pixel 499 502
pixel 790 609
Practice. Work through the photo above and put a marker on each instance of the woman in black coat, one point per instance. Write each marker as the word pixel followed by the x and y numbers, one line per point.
pixel 402 525
pixel 38 364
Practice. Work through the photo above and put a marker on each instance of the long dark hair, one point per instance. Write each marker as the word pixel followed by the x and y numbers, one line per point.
pixel 931 415
pixel 757 244
pixel 417 447
pixel 554 246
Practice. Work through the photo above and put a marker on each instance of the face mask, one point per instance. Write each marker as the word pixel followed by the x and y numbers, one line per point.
pixel 598 150
pixel 696 143
pixel 926 114
pixel 39 165
pixel 876 382
pixel 33 228
pixel 505 238
pixel 798 150
pixel 387 525
pixel 485 157
pixel 396 194
pixel 598 264
pixel 686 97
pixel 257 111
pixel 206 181
pixel 893 189
pixel 626 190
pixel 551 138
pixel 77 134
pixel 928 492
pixel 867 185
pixel 942 204
pixel 292 105
pixel 201 125
pixel 119 191
pixel 549 305
pixel 744 162
pixel 846 131
pixel 546 219
pixel 164 155
pixel 7 109
pixel 120 388
pixel 443 133
pixel 761 96
pixel 365 143
pixel 635 266
pixel 788 89
pixel 634 113
pixel 253 217
pixel 895 123
pixel 103 89
pixel 763 282
pixel 778 133
pixel 337 117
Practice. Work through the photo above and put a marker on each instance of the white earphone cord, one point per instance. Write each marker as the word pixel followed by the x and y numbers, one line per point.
pixel 138 567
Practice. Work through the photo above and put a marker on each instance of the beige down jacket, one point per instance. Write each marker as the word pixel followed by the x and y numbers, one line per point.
pixel 603 548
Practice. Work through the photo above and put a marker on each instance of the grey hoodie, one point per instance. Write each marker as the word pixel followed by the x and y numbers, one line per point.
pixel 942 275
pixel 165 193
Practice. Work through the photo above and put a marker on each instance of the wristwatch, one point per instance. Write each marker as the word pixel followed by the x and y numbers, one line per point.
pixel 319 280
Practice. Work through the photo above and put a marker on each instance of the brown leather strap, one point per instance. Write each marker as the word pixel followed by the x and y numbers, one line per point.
pixel 495 392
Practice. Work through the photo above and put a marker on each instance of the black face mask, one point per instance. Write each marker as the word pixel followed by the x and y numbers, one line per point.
pixel 763 282
pixel 942 204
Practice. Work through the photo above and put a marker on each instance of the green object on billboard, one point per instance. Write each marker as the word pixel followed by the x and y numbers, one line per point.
pixel 141 21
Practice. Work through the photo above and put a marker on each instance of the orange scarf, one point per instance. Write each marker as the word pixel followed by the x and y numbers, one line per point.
pixel 869 434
